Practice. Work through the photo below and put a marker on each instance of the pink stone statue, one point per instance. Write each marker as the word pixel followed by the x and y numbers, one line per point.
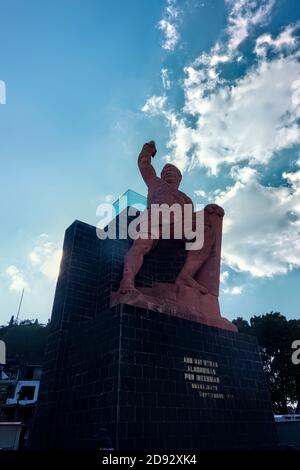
pixel 195 293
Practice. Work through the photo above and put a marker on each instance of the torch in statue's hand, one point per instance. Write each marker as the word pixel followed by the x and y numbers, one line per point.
pixel 150 148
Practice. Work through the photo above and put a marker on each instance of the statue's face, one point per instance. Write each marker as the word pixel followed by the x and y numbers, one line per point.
pixel 171 175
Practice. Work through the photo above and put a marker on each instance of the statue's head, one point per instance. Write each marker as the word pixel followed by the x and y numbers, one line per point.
pixel 171 175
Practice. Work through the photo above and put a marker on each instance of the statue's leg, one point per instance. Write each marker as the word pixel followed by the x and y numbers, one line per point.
pixel 133 262
pixel 195 259
pixel 193 262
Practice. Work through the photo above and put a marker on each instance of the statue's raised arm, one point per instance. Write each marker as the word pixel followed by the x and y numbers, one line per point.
pixel 144 161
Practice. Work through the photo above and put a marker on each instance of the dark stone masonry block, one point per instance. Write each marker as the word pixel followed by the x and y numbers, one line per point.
pixel 152 380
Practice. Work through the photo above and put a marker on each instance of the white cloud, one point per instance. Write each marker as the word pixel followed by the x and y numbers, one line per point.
pixel 215 57
pixel 293 178
pixel 244 15
pixel 168 25
pixel 46 257
pixel 171 35
pixel 244 123
pixel 248 119
pixel 181 141
pixel 243 174
pixel 172 10
pixel 200 193
pixel 224 276
pixel 261 226
pixel 203 76
pixel 164 73
pixel 235 290
pixel 251 119
pixel 154 105
pixel 181 137
pixel 285 40
pixel 17 281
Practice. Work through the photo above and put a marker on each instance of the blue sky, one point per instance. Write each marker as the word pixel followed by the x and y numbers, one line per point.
pixel 215 83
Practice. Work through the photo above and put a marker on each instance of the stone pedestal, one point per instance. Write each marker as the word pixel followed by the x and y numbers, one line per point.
pixel 152 380
pixel 180 301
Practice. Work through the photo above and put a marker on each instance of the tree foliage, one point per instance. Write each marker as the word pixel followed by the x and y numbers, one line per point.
pixel 275 335
pixel 25 341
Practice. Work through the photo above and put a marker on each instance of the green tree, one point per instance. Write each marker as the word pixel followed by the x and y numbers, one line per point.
pixel 275 335
pixel 243 326
pixel 26 340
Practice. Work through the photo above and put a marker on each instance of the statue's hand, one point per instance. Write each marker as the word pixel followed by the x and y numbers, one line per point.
pixel 149 148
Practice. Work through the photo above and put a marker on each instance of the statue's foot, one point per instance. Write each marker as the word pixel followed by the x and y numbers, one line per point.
pixel 127 287
pixel 191 282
